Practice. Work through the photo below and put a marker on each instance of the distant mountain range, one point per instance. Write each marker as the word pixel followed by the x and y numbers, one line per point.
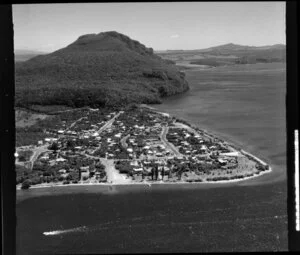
pixel 236 47
pixel 102 69
pixel 23 55
pixel 230 47
pixel 227 54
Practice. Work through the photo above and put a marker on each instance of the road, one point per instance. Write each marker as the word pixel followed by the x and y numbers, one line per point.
pixel 123 141
pixel 36 152
pixel 113 175
pixel 72 125
pixel 168 145
pixel 109 123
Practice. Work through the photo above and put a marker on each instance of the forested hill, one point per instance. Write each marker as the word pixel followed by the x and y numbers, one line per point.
pixel 101 69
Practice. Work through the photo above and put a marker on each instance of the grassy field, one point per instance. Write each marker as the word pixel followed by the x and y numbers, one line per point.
pixel 25 118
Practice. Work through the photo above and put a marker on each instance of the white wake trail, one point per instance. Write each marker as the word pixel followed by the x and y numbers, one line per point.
pixel 60 232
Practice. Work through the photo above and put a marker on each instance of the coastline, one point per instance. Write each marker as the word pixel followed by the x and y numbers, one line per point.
pixel 146 183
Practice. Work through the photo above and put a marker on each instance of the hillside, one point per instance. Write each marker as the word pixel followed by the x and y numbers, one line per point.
pixel 105 69
pixel 228 54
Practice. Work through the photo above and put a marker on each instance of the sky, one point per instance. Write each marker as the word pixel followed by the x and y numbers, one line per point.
pixel 161 26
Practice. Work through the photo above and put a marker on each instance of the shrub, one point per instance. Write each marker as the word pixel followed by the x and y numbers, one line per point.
pixel 35 180
pixel 26 184
pixel 61 178
pixel 20 179
pixel 66 182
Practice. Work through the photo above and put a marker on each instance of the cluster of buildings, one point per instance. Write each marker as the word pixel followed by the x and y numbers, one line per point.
pixel 138 141
pixel 200 148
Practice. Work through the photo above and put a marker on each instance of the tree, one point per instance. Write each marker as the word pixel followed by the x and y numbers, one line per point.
pixel 79 173
pixel 156 172
pixel 152 173
pixel 26 184
pixel 70 144
pixel 54 147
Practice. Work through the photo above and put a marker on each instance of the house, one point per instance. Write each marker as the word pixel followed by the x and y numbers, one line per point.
pixel 60 160
pixel 84 169
pixel 134 163
pixel 148 169
pixel 62 171
pixel 45 157
pixel 167 169
pixel 203 148
pixel 222 162
pixel 140 169
pixel 231 154
pixel 85 174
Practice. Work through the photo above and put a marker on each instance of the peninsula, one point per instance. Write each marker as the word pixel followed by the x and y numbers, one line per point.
pixel 131 145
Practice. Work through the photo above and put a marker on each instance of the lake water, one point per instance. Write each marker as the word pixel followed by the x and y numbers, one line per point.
pixel 245 105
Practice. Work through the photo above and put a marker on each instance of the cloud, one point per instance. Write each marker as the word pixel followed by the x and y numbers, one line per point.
pixel 174 36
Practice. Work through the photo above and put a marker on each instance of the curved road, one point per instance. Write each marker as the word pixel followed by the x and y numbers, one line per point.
pixel 170 146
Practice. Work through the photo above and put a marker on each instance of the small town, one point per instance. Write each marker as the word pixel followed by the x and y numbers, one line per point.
pixel 129 146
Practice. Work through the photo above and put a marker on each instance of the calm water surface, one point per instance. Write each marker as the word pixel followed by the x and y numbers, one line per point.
pixel 245 105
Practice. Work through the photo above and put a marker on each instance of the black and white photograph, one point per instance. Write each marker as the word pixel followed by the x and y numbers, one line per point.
pixel 156 127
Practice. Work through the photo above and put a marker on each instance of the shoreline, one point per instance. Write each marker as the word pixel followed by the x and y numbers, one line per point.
pixel 145 183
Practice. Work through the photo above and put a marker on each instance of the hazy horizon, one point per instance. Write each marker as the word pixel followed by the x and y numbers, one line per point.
pixel 161 26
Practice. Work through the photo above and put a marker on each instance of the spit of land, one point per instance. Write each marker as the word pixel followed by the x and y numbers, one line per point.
pixel 127 146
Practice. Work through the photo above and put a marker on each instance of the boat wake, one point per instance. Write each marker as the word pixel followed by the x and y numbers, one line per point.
pixel 66 231
pixel 110 225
